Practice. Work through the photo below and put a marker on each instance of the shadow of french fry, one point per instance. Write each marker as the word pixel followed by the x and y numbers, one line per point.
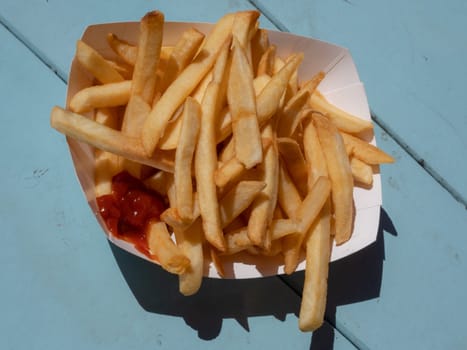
pixel 157 291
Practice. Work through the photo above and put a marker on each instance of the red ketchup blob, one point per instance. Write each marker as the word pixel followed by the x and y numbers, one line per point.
pixel 129 208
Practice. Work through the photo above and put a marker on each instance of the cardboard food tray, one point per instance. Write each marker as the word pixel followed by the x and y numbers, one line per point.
pixel 341 86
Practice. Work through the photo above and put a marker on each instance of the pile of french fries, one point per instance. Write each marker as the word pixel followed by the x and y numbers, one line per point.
pixel 249 158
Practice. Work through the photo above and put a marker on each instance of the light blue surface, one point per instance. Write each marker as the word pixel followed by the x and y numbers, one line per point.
pixel 64 286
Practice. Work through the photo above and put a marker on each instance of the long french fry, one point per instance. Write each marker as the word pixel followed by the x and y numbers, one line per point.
pixel 144 78
pixel 318 253
pixel 242 102
pixel 262 209
pixel 185 83
pixel 100 136
pixel 206 158
pixel 294 161
pixel 190 242
pixel 307 213
pixel 362 172
pixel 340 174
pixel 184 157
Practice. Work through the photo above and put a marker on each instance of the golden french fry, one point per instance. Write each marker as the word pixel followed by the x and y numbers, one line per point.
pixel 313 154
pixel 182 54
pixel 230 171
pixel 266 62
pixel 307 213
pixel 288 196
pixel 318 253
pixel 259 44
pixel 294 161
pixel 190 242
pixel 340 175
pixel 216 260
pixel 341 119
pixel 362 173
pixel 144 77
pixel 184 156
pixel 100 136
pixel 99 96
pixel 288 117
pixel 169 255
pixel 122 48
pixel 268 100
pixel 237 199
pixel 262 209
pixel 185 83
pixel 124 69
pixel 312 84
pixel 97 65
pixel 242 29
pixel 242 103
pixel 206 158
pixel 365 151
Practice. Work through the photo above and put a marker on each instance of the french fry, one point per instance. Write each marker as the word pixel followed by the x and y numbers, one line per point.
pixel 122 48
pixel 266 62
pixel 230 171
pixel 206 158
pixel 362 173
pixel 238 240
pixel 294 161
pixel 97 65
pixel 144 80
pixel 99 96
pixel 190 242
pixel 288 117
pixel 365 151
pixel 269 99
pixel 340 174
pixel 107 139
pixel 169 255
pixel 184 157
pixel 124 69
pixel 306 215
pixel 288 196
pixel 243 27
pixel 182 54
pixel 173 97
pixel 318 253
pixel 342 120
pixel 313 154
pixel 241 97
pixel 237 199
pixel 262 209
pixel 259 44
pixel 312 84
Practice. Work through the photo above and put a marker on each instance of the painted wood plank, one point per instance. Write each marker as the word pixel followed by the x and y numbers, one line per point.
pixel 64 286
pixel 411 56
pixel 408 289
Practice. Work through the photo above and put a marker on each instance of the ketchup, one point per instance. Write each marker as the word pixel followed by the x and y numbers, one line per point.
pixel 129 208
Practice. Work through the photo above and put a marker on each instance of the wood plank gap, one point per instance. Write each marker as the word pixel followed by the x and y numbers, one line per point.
pixel 422 162
pixel 34 50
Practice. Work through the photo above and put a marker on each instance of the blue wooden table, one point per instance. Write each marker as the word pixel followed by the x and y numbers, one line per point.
pixel 64 287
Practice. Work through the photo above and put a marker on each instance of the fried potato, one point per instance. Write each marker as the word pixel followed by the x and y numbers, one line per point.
pixel 242 103
pixel 365 151
pixel 340 174
pixel 169 255
pixel 99 96
pixel 95 64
